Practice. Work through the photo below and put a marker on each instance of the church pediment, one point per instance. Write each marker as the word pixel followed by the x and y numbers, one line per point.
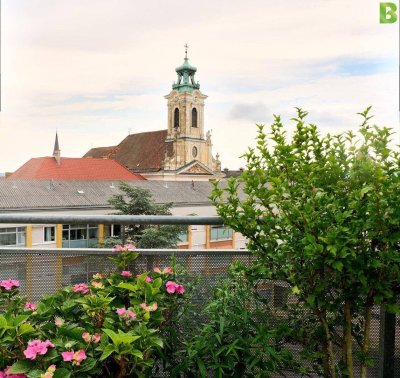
pixel 195 168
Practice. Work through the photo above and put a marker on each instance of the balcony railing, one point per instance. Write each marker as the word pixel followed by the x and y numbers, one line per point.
pixel 42 271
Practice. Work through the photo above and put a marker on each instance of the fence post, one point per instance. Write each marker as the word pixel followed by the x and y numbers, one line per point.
pixel 387 334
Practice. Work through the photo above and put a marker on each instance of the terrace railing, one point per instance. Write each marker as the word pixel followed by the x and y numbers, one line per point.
pixel 43 271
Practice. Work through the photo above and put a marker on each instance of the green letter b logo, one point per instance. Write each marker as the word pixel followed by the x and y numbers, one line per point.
pixel 388 13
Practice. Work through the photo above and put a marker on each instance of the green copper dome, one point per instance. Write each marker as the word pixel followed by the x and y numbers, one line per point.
pixel 185 82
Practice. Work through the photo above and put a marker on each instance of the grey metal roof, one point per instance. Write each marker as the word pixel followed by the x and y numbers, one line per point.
pixel 53 194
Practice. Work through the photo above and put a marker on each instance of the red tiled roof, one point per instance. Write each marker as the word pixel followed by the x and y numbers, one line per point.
pixel 74 169
pixel 138 152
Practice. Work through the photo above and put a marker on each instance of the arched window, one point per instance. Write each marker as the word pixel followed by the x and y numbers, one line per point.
pixel 176 118
pixel 194 117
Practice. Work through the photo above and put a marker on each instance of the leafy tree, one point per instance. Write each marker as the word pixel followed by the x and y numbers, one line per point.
pixel 322 213
pixel 139 201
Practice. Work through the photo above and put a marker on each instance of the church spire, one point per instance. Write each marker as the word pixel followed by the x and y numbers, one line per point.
pixel 56 151
pixel 186 82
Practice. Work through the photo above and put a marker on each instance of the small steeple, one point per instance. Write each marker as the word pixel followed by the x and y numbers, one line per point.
pixel 56 151
pixel 186 82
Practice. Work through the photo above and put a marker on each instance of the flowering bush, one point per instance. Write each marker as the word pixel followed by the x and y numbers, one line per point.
pixel 110 326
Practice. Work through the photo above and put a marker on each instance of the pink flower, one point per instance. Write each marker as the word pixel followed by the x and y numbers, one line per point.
pixel 147 279
pixel 81 288
pixel 168 270
pixel 86 336
pixel 30 306
pixel 79 356
pixel 67 356
pixel 180 289
pixel 131 314
pixel 129 247
pixel 6 375
pixel 98 285
pixel 173 287
pixel 121 311
pixel 126 273
pixel 150 308
pixel 59 322
pixel 75 357
pixel 36 347
pixel 118 248
pixel 9 284
pixel 96 338
pixel 97 276
pixel 157 270
pixel 49 373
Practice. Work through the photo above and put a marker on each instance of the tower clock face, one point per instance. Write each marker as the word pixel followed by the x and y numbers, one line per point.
pixel 194 151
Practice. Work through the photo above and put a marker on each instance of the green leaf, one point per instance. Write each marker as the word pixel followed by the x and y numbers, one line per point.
pixel 62 373
pixel 19 319
pixel 107 351
pixel 295 290
pixel 137 353
pixel 35 373
pixel 202 368
pixel 3 322
pixel 128 286
pixel 26 328
pixel 21 367
pixel 338 265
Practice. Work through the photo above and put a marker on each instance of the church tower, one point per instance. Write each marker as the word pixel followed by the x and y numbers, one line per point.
pixel 185 135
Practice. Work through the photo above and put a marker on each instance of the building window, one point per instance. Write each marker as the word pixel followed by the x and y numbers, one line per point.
pixel 13 236
pixel 115 230
pixel 79 235
pixel 49 234
pixel 176 118
pixel 183 236
pixel 194 117
pixel 221 233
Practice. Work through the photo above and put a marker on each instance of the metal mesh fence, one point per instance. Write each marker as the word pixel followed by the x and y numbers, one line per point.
pixel 45 271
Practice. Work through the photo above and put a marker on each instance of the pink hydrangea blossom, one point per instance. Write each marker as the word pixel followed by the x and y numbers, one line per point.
pixel 87 337
pixel 147 279
pixel 9 284
pixel 36 347
pixel 121 311
pixel 173 287
pixel 98 285
pixel 130 314
pixel 118 248
pixel 75 357
pixel 59 322
pixel 81 288
pixel 4 374
pixel 126 273
pixel 49 372
pixel 166 270
pixel 124 313
pixel 150 308
pixel 30 306
pixel 129 247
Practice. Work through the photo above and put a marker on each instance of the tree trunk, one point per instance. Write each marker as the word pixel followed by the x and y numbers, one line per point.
pixel 366 339
pixel 123 365
pixel 348 339
pixel 329 346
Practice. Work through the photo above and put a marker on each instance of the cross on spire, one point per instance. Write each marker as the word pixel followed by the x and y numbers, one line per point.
pixel 186 48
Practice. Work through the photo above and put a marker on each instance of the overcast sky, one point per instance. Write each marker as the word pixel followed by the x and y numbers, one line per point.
pixel 95 69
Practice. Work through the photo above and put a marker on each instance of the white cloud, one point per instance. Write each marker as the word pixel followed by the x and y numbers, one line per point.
pixel 96 70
